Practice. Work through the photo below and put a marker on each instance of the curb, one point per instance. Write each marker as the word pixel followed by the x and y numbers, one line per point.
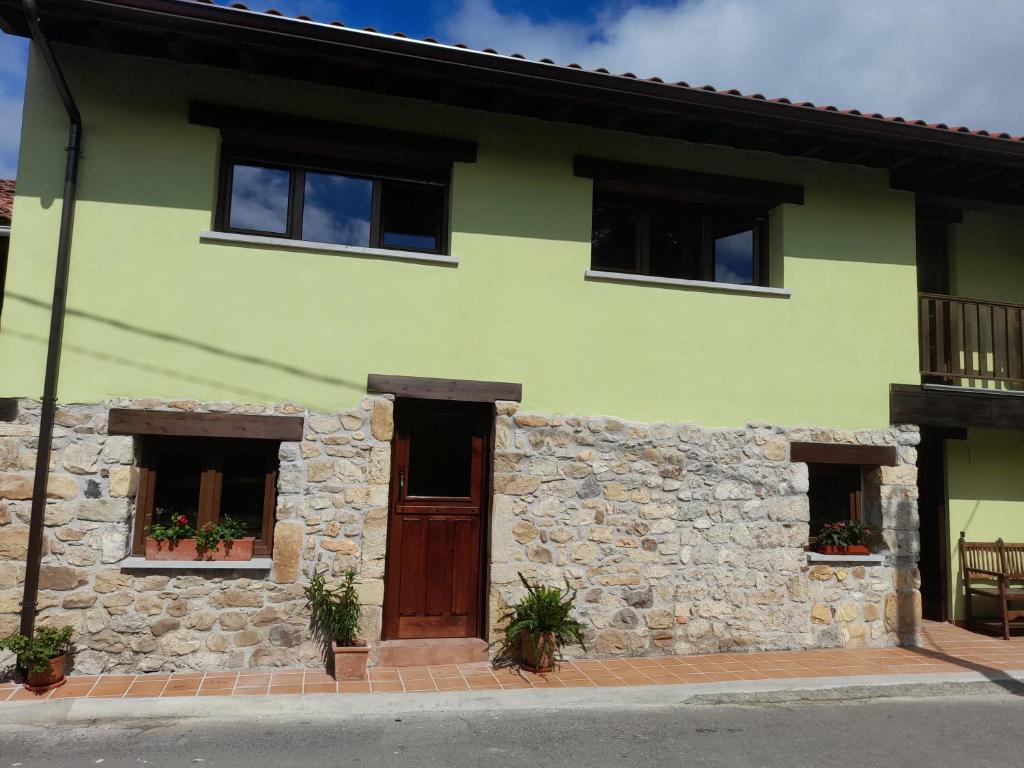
pixel 323 706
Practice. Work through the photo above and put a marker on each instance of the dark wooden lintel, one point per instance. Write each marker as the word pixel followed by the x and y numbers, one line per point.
pixel 768 192
pixel 842 453
pixel 955 408
pixel 462 390
pixel 253 123
pixel 131 421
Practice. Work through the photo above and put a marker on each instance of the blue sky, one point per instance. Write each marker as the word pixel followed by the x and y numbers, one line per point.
pixel 940 60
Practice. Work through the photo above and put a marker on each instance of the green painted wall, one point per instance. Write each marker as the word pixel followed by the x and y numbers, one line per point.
pixel 986 257
pixel 154 312
pixel 985 473
pixel 985 487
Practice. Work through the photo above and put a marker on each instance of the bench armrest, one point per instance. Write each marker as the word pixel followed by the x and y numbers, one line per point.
pixel 993 574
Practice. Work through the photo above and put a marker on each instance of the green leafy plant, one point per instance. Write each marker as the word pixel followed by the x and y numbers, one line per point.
pixel 178 528
pixel 209 535
pixel 34 653
pixel 544 613
pixel 844 533
pixel 334 609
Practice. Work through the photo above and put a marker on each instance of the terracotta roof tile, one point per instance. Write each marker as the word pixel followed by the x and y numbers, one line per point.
pixel 874 116
pixel 6 201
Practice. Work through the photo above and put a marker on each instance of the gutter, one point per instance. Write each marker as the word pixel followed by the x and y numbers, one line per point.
pixel 57 311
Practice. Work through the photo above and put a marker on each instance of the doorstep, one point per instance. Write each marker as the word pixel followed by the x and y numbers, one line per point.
pixel 431 652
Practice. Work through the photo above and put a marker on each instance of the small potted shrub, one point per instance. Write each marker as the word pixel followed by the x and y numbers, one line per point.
pixel 43 656
pixel 844 538
pixel 178 540
pixel 540 625
pixel 334 619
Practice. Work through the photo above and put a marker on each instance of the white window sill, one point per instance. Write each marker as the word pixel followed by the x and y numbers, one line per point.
pixel 142 564
pixel 308 245
pixel 677 282
pixel 817 557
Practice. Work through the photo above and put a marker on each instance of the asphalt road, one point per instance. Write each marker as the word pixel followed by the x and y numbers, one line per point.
pixel 950 731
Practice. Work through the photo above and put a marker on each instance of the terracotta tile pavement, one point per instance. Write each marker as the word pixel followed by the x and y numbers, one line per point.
pixel 944 648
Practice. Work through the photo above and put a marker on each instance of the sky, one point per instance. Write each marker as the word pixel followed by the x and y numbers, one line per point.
pixel 940 60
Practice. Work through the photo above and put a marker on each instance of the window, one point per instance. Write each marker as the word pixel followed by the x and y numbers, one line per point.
pixel 341 204
pixel 834 494
pixel 205 479
pixel 646 236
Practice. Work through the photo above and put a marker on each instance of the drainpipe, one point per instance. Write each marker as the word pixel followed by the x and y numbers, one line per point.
pixel 53 349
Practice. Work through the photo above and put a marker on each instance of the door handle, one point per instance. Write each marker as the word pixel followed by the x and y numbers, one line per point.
pixel 401 479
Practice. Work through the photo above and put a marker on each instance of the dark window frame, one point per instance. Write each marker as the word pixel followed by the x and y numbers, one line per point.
pixel 297 164
pixel 212 451
pixel 643 207
pixel 856 498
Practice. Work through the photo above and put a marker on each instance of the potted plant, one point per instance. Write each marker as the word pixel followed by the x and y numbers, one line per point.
pixel 844 538
pixel 178 540
pixel 43 656
pixel 540 625
pixel 334 618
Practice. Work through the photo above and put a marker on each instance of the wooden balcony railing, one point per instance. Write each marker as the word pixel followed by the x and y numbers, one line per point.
pixel 971 343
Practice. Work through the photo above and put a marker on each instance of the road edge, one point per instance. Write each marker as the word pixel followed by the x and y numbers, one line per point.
pixel 325 706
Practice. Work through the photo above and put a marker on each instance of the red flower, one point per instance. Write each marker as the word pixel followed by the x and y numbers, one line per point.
pixel 181 520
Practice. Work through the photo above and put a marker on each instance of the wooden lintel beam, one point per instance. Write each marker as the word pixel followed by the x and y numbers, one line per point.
pixel 843 453
pixel 132 421
pixel 456 390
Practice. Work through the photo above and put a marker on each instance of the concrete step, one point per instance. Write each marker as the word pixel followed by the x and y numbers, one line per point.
pixel 422 653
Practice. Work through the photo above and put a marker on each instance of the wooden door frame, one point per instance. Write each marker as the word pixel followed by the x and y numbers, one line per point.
pixel 486 502
pixel 934 441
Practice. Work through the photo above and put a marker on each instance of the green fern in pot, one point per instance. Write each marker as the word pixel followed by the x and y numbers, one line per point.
pixel 540 624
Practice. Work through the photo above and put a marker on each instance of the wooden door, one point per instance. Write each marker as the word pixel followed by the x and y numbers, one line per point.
pixel 434 579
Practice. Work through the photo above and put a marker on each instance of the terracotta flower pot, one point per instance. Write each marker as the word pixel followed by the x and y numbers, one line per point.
pixel 538 656
pixel 848 549
pixel 350 660
pixel 186 549
pixel 49 678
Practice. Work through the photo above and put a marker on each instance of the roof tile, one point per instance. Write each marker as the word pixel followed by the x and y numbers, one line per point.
pixel 872 116
pixel 6 201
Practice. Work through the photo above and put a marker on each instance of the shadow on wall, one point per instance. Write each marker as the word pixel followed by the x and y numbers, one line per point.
pixel 241 389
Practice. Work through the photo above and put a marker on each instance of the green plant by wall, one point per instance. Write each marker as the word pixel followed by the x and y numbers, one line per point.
pixel 545 613
pixel 210 535
pixel 34 653
pixel 844 533
pixel 177 528
pixel 334 610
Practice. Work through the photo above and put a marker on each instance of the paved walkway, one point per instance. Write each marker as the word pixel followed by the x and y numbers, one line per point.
pixel 944 649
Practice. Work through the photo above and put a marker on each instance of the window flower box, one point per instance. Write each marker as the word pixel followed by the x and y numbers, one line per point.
pixel 844 549
pixel 187 549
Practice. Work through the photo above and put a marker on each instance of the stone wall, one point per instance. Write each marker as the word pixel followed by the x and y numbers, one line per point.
pixel 681 539
pixel 331 515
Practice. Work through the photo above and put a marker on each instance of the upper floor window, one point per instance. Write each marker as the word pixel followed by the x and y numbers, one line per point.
pixel 675 223
pixel 662 238
pixel 339 203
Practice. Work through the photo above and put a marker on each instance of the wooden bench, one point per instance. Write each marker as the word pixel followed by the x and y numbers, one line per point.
pixel 1001 567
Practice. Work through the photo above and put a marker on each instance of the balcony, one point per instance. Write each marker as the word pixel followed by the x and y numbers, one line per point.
pixel 971 343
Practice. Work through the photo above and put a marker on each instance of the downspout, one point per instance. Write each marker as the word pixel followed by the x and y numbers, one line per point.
pixel 53 349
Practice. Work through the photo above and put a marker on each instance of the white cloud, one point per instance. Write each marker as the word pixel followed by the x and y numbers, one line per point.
pixel 940 60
